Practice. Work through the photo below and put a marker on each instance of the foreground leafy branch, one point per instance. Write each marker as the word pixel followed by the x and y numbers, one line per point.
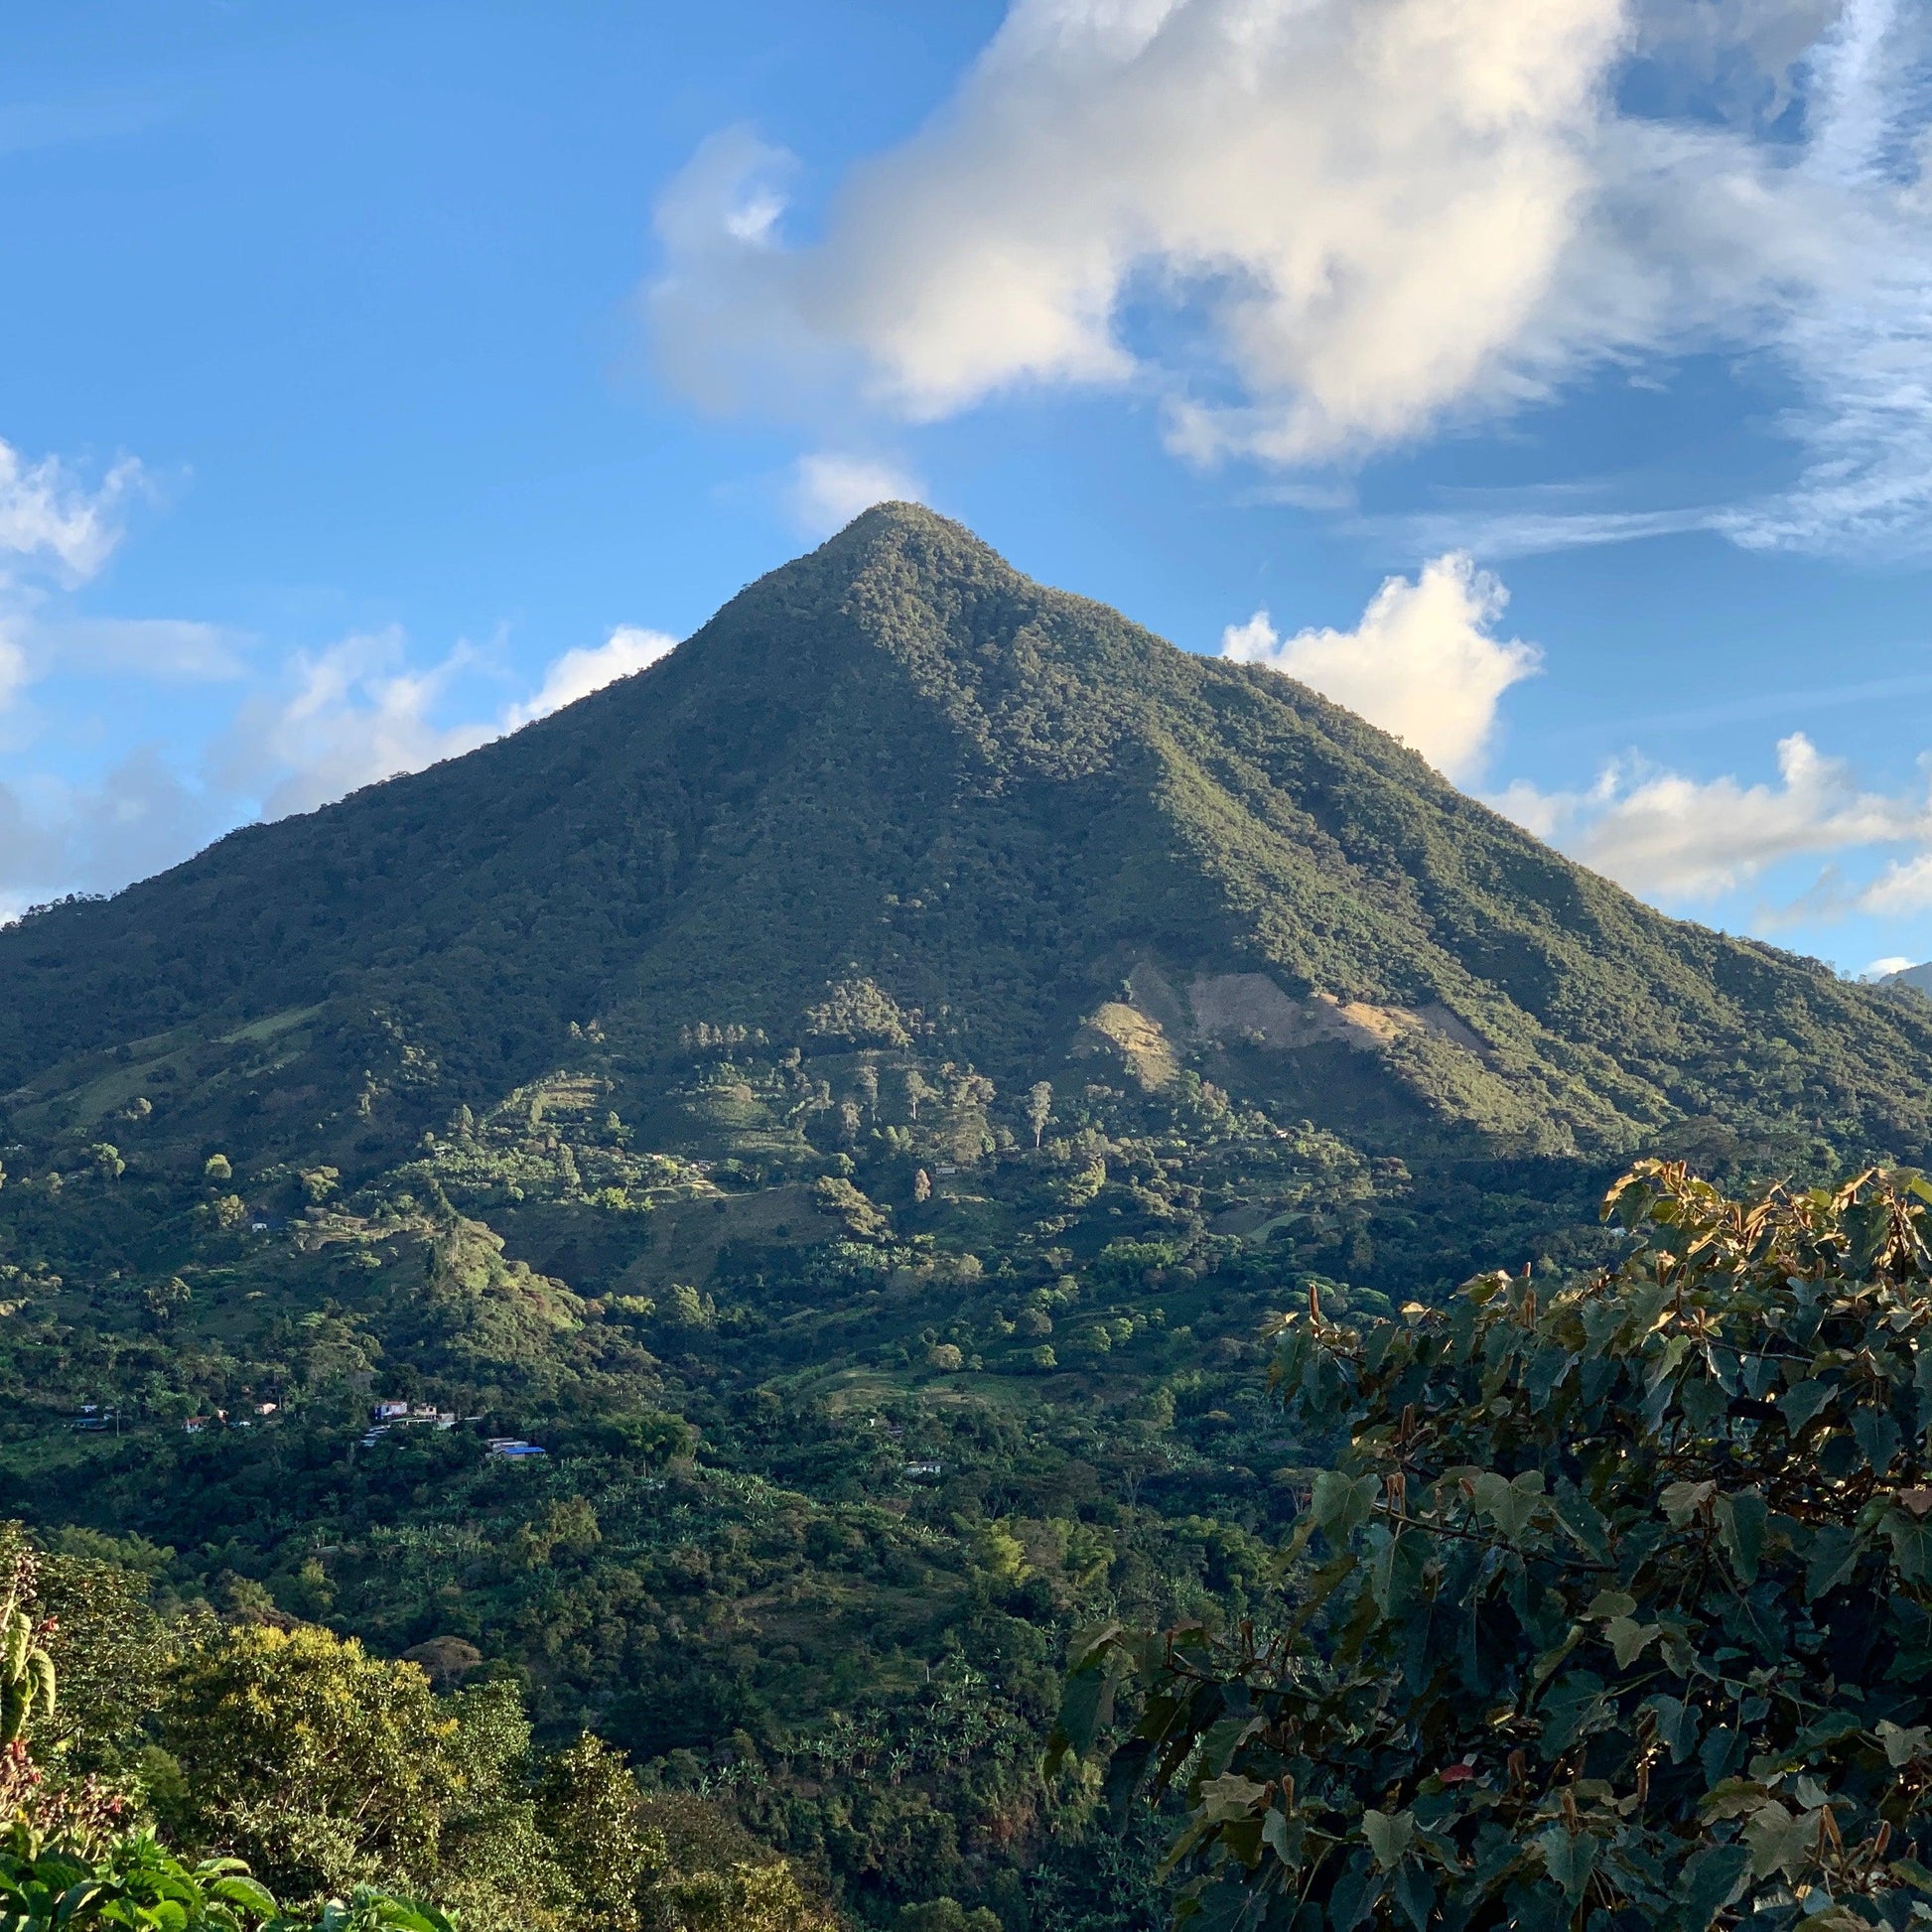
pixel 1615 1610
pixel 137 1883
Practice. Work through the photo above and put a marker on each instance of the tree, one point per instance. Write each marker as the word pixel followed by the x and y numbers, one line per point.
pixel 859 1011
pixel 917 1091
pixel 1040 1107
pixel 944 1915
pixel 589 1807
pixel 321 1765
pixel 867 1081
pixel 1623 1612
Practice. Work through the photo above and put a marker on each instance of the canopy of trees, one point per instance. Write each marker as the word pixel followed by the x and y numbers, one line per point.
pixel 1616 1607
pixel 291 1764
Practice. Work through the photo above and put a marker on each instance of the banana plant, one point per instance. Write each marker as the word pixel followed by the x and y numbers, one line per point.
pixel 26 1669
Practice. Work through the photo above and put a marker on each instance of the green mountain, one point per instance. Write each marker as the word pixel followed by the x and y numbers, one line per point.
pixel 897 760
pixel 856 1095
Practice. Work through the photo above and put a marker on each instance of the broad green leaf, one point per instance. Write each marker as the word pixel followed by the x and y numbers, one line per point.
pixel 1713 1879
pixel 1878 1436
pixel 1354 1896
pixel 1703 1402
pixel 1227 1798
pixel 1568 1859
pixel 1629 1639
pixel 1678 1723
pixel 242 1890
pixel 1414 1891
pixel 1682 1500
pixel 1389 1837
pixel 1800 1403
pixel 1911 1543
pixel 1740 1526
pixel 1341 1504
pixel 1274 1835
pixel 1831 1558
pixel 1509 1505
pixel 1227 1906
pixel 1779 1840
pixel 1904 1746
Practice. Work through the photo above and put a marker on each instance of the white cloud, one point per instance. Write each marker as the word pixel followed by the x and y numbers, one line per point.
pixel 338 719
pixel 1422 663
pixel 1524 530
pixel 828 490
pixel 1905 886
pixel 37 642
pixel 1371 219
pixel 13 661
pixel 1670 837
pixel 629 648
pixel 55 532
pixel 721 319
pixel 1366 201
pixel 1880 969
pixel 47 515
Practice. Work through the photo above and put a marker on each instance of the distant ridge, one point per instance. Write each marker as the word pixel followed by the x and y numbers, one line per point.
pixel 896 760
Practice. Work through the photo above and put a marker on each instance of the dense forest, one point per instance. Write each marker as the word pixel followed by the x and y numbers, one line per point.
pixel 672 1264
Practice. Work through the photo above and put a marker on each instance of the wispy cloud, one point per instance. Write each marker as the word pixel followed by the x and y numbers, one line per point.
pixel 168 648
pixel 56 531
pixel 58 836
pixel 1860 338
pixel 328 722
pixel 1500 532
pixel 362 711
pixel 317 725
pixel 347 716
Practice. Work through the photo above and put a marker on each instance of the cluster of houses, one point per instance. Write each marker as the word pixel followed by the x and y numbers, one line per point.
pixel 94 1419
pixel 220 1418
pixel 388 1416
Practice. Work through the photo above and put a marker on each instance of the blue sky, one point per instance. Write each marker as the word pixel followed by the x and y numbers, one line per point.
pixel 1551 380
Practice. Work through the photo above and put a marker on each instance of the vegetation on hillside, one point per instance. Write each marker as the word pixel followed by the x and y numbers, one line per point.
pixel 830 1127
pixel 290 1762
pixel 897 760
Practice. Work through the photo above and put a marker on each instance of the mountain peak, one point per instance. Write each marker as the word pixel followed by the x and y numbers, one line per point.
pixel 897 760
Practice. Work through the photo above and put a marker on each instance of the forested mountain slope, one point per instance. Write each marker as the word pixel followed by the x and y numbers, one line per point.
pixel 897 760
